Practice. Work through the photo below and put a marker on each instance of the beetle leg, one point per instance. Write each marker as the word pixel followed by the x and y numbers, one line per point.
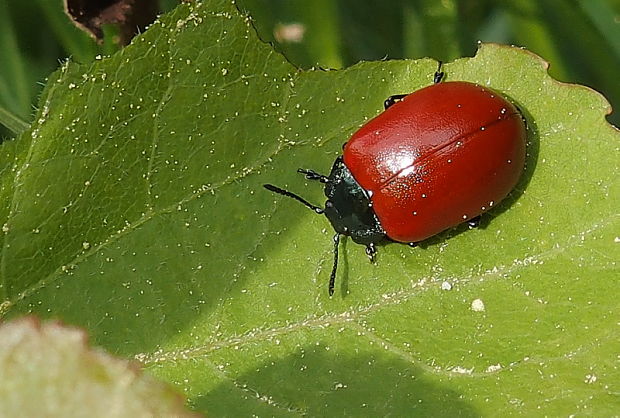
pixel 332 276
pixel 474 222
pixel 438 74
pixel 371 251
pixel 313 175
pixel 393 99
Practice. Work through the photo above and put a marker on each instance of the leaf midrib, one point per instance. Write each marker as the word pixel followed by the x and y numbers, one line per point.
pixel 350 316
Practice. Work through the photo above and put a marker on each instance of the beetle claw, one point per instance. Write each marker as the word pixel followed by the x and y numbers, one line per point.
pixel 474 222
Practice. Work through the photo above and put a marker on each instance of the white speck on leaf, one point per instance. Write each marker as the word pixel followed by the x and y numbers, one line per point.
pixel 477 305
pixel 590 378
pixel 446 286
pixel 494 368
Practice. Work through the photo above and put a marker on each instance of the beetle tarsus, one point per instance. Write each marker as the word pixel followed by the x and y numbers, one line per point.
pixel 371 252
pixel 438 77
pixel 390 101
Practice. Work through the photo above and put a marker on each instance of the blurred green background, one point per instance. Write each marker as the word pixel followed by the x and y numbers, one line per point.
pixel 580 38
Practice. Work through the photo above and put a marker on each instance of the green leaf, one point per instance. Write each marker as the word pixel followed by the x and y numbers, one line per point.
pixel 49 370
pixel 134 208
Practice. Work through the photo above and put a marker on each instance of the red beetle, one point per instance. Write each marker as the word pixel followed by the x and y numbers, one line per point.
pixel 433 159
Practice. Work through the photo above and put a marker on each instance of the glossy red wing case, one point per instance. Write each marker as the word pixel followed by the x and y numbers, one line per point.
pixel 442 155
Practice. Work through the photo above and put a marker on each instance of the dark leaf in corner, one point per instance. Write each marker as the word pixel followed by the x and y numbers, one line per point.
pixel 128 17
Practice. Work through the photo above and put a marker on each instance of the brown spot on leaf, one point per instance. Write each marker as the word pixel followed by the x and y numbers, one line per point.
pixel 129 17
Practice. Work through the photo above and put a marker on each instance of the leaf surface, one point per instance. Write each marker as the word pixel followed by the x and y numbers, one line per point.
pixel 134 208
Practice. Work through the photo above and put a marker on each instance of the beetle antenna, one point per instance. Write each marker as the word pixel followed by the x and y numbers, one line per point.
pixel 332 277
pixel 313 175
pixel 283 192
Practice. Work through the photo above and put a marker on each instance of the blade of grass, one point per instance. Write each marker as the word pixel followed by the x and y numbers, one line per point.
pixel 530 28
pixel 602 17
pixel 12 122
pixel 588 52
pixel 430 28
pixel 324 38
pixel 14 89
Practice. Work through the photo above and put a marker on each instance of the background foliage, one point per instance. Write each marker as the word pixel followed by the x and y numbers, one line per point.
pixel 160 150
